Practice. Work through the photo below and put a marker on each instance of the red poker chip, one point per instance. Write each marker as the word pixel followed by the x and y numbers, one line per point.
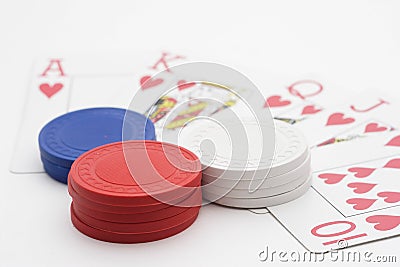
pixel 129 238
pixel 193 201
pixel 135 228
pixel 160 173
pixel 183 201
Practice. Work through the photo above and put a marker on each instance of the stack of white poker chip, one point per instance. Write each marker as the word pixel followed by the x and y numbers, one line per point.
pixel 261 176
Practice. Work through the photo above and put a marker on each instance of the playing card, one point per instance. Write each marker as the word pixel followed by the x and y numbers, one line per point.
pixel 47 98
pixel 60 85
pixel 297 99
pixel 354 197
pixel 367 114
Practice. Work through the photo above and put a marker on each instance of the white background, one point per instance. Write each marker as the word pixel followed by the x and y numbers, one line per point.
pixel 355 44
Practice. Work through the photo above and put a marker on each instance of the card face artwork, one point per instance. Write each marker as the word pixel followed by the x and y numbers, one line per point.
pixel 354 202
pixel 181 105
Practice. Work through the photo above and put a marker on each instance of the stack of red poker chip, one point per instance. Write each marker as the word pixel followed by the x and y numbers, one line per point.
pixel 135 191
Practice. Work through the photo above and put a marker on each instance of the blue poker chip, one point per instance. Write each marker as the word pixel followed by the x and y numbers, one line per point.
pixel 56 172
pixel 65 138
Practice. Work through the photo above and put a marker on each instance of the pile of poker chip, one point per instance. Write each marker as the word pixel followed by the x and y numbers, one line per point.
pixel 85 149
pixel 108 204
pixel 254 177
pixel 127 187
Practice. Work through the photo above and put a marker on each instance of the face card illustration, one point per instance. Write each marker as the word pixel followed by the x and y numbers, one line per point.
pixel 353 200
pixel 181 105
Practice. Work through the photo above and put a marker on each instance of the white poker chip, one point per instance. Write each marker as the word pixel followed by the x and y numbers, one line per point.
pixel 259 192
pixel 246 151
pixel 280 180
pixel 253 203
